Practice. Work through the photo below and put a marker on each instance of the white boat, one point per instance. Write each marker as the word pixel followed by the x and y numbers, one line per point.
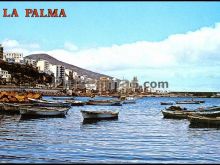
pixel 43 111
pixel 99 114
pixel 45 103
pixel 129 100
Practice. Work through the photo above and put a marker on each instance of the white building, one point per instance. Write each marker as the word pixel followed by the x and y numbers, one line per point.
pixel 30 62
pixel 90 84
pixel 4 75
pixel 13 57
pixel 124 86
pixel 59 73
pixel 43 66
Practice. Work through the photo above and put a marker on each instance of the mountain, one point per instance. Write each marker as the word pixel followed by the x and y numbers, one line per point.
pixel 54 61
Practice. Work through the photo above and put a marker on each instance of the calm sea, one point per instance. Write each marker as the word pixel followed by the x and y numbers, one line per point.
pixel 139 135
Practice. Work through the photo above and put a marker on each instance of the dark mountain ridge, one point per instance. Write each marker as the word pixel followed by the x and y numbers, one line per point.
pixel 79 70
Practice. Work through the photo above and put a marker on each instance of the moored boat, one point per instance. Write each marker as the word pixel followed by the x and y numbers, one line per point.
pixel 103 114
pixel 177 114
pixel 75 102
pixel 196 120
pixel 63 98
pixel 10 108
pixel 187 102
pixel 43 111
pixel 166 103
pixel 45 103
pixel 104 102
pixel 129 100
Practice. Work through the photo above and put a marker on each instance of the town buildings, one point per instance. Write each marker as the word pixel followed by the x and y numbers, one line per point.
pixel 66 78
pixel 13 57
pixel 4 75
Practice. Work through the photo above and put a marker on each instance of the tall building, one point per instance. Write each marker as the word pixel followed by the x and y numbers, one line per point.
pixel 134 84
pixel 103 84
pixel 43 66
pixel 59 74
pixel 1 52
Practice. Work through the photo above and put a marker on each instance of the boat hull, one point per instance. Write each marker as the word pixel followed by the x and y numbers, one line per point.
pixel 104 103
pixel 204 121
pixel 43 112
pixel 176 114
pixel 99 115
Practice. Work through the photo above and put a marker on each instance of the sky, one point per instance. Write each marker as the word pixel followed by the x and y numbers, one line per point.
pixel 176 42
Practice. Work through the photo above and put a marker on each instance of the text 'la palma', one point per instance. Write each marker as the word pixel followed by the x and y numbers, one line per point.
pixel 36 13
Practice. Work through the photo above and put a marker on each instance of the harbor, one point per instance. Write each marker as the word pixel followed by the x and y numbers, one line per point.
pixel 139 134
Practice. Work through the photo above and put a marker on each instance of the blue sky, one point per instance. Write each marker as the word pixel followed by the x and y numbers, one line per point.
pixel 93 28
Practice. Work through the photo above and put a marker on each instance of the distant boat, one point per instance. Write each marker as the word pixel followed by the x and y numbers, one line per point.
pixel 197 120
pixel 99 114
pixel 43 111
pixel 75 102
pixel 166 103
pixel 104 102
pixel 187 102
pixel 45 103
pixel 129 100
pixel 63 98
pixel 190 101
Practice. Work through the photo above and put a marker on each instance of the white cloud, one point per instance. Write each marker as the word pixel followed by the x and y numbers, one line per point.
pixel 70 46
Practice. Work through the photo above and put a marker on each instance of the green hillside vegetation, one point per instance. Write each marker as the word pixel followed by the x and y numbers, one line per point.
pixel 24 74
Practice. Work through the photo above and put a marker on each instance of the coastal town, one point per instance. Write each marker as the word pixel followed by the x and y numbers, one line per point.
pixel 65 81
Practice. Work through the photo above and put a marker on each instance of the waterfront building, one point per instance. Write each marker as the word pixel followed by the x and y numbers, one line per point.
pixel 58 72
pixel 90 84
pixel 30 62
pixel 115 84
pixel 1 52
pixel 13 57
pixel 43 66
pixel 104 84
pixel 134 84
pixel 5 75
pixel 124 86
pixel 68 79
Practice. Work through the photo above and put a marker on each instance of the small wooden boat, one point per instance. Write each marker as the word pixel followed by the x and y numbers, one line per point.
pixel 43 111
pixel 99 114
pixel 204 121
pixel 76 103
pixel 1 106
pixel 104 102
pixel 177 114
pixel 207 113
pixel 166 103
pixel 63 98
pixel 45 103
pixel 10 108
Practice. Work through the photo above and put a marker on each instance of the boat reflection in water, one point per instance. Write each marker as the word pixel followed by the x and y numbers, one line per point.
pixel 94 121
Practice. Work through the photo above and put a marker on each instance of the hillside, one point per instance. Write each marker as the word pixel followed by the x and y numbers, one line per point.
pixel 79 70
pixel 21 74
